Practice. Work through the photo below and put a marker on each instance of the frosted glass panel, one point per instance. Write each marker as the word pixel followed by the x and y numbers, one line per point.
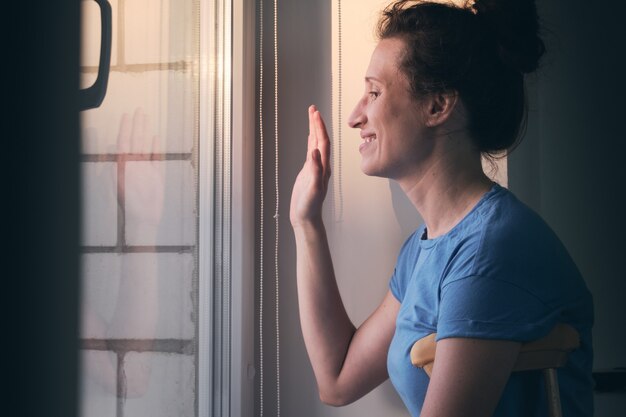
pixel 140 209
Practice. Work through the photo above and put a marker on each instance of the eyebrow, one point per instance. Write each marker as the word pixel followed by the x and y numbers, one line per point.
pixel 370 79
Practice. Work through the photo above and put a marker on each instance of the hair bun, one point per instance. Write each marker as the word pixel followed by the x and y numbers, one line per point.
pixel 515 25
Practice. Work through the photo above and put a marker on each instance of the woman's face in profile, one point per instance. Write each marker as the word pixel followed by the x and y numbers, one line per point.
pixel 389 117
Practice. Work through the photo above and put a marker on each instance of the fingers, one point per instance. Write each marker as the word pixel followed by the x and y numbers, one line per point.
pixel 323 143
pixel 317 169
pixel 312 141
pixel 318 141
pixel 315 156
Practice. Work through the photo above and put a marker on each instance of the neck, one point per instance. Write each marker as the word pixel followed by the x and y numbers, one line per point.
pixel 445 191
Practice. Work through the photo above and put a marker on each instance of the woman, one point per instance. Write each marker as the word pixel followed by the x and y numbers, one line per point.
pixel 444 86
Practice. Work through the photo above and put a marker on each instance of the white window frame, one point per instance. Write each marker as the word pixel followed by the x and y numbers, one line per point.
pixel 226 209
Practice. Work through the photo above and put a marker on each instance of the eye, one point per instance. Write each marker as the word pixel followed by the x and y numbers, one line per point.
pixel 373 94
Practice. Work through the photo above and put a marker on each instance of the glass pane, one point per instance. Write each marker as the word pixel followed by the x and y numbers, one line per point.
pixel 139 243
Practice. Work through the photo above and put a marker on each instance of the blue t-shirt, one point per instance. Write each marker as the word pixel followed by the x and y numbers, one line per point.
pixel 500 273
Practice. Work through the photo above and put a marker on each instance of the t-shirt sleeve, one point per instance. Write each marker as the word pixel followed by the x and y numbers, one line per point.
pixel 487 308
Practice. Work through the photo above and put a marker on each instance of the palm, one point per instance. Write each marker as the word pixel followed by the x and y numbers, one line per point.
pixel 311 184
pixel 307 196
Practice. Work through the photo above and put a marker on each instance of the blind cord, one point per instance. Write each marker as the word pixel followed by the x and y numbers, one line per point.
pixel 338 168
pixel 276 214
pixel 336 109
pixel 262 210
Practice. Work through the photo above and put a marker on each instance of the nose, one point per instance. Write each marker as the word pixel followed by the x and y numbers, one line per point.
pixel 357 117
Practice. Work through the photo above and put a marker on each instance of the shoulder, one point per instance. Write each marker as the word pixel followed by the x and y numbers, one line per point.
pixel 504 239
pixel 515 236
pixel 496 229
pixel 506 220
pixel 512 244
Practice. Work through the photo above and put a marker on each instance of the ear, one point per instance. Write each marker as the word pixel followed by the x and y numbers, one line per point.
pixel 439 107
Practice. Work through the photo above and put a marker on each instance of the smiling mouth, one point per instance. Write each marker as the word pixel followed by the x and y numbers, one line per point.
pixel 366 140
pixel 369 139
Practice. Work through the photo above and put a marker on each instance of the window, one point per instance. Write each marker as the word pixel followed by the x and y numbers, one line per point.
pixel 158 330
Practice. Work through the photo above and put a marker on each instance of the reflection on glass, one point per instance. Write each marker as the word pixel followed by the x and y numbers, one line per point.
pixel 139 164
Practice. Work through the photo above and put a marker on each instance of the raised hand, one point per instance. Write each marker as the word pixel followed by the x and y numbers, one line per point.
pixel 311 184
pixel 146 185
pixel 136 308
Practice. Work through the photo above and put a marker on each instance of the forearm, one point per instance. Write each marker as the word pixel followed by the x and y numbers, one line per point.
pixel 469 376
pixel 136 308
pixel 326 327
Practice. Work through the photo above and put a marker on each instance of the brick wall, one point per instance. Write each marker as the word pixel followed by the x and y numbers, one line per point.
pixel 139 173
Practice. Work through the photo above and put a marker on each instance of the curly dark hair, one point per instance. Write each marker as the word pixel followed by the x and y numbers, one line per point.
pixel 480 50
